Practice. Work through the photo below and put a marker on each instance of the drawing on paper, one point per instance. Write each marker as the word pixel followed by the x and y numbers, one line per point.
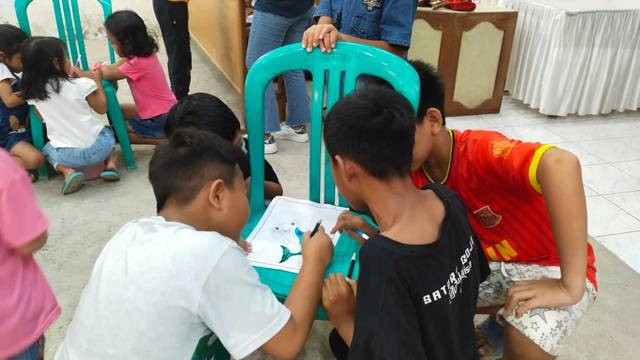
pixel 277 238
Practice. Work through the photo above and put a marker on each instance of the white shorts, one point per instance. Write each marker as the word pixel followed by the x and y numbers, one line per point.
pixel 547 327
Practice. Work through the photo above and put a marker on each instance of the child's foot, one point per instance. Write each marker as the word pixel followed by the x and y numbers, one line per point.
pixel 110 175
pixel 490 338
pixel 270 146
pixel 72 183
pixel 293 133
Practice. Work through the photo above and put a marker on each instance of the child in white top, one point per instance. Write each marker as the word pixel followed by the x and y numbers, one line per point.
pixel 14 137
pixel 164 283
pixel 77 139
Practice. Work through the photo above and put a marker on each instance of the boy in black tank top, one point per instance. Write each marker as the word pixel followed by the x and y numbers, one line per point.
pixel 419 276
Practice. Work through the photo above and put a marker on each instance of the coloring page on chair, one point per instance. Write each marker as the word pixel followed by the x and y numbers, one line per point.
pixel 276 240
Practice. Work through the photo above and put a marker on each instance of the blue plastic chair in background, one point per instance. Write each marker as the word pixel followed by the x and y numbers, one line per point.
pixel 341 67
pixel 69 27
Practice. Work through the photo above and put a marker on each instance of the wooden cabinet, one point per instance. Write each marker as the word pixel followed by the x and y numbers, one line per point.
pixel 471 53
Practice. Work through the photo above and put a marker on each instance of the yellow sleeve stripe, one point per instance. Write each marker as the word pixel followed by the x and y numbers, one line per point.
pixel 533 168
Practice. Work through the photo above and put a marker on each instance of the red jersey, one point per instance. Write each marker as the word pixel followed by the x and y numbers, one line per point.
pixel 496 177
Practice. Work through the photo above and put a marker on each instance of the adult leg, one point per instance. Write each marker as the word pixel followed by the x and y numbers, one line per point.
pixel 267 33
pixel 173 18
pixel 298 112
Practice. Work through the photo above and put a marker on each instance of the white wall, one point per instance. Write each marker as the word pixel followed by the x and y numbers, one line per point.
pixel 42 20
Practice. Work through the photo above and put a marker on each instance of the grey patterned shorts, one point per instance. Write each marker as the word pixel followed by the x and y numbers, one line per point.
pixel 547 327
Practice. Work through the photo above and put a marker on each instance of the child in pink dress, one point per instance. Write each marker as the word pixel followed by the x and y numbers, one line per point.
pixel 140 66
pixel 27 304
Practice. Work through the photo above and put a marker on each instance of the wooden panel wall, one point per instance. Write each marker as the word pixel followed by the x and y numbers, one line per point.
pixel 218 27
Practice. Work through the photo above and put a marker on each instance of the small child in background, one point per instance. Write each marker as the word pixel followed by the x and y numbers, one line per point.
pixel 27 304
pixel 140 66
pixel 77 139
pixel 163 283
pixel 14 111
pixel 208 113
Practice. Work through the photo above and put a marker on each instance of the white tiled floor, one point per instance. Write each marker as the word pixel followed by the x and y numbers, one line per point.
pixel 609 150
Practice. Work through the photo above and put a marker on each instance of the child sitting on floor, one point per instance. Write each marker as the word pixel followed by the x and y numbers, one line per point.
pixel 27 304
pixel 14 111
pixel 77 139
pixel 164 282
pixel 140 66
pixel 208 113
pixel 419 277
pixel 526 203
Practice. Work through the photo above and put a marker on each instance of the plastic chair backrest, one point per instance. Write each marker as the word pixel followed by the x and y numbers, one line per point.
pixel 347 58
pixel 69 26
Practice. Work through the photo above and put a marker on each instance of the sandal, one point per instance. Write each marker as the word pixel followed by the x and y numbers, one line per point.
pixel 73 183
pixel 493 334
pixel 110 175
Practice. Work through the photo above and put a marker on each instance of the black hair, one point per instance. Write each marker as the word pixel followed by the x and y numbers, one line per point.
pixel 431 90
pixel 11 38
pixel 38 69
pixel 204 112
pixel 178 170
pixel 375 128
pixel 130 30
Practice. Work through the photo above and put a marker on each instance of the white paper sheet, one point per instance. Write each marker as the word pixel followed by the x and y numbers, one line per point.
pixel 276 239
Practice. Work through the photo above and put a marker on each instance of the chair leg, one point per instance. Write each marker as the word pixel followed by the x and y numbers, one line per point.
pixel 120 127
pixel 37 135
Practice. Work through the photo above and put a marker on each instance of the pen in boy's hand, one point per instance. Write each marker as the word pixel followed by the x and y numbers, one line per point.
pixel 362 235
pixel 315 228
pixel 351 265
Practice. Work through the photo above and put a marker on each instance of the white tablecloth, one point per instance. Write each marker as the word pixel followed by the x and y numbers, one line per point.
pixel 576 56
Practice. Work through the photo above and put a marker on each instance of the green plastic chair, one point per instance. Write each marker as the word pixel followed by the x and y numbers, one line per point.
pixel 69 28
pixel 341 67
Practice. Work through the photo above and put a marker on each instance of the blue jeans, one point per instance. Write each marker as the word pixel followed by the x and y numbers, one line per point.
pixel 149 128
pixel 33 352
pixel 268 32
pixel 82 157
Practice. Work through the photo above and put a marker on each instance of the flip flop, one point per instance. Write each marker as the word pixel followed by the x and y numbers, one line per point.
pixel 110 175
pixel 73 183
pixel 493 336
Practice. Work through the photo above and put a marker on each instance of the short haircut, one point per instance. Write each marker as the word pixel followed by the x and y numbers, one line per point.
pixel 11 38
pixel 39 73
pixel 204 112
pixel 431 90
pixel 132 33
pixel 375 128
pixel 179 169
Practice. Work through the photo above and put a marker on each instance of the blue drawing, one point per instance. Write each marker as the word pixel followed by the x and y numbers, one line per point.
pixel 289 232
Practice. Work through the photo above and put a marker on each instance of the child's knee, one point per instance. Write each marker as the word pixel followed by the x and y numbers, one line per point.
pixel 34 160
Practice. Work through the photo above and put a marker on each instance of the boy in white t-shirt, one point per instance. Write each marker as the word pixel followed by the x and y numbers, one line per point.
pixel 162 283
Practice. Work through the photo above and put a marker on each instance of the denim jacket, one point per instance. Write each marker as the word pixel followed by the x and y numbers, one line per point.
pixel 388 20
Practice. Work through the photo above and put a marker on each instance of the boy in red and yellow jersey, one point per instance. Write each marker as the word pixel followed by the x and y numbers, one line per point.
pixel 526 203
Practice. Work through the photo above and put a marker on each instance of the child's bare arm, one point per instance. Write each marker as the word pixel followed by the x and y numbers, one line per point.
pixel 97 99
pixel 272 189
pixel 33 246
pixel 560 178
pixel 303 298
pixel 111 72
pixel 9 98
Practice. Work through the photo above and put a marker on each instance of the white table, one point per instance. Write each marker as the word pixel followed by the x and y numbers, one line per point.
pixel 576 56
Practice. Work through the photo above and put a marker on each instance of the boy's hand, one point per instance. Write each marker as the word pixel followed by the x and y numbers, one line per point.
pixel 323 35
pixel 349 222
pixel 339 299
pixel 318 248
pixel 245 245
pixel 548 293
